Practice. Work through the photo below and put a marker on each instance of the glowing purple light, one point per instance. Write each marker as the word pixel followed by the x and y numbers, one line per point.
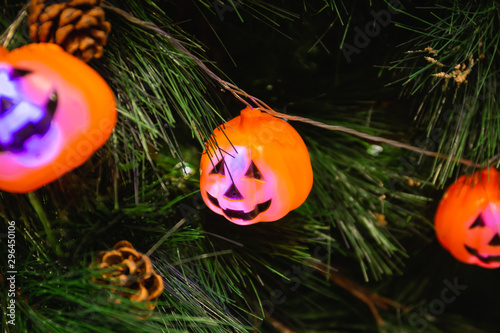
pixel 491 216
pixel 16 119
pixel 20 119
pixel 7 88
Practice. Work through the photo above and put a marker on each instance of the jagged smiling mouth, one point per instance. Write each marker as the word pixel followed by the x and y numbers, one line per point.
pixel 485 259
pixel 239 214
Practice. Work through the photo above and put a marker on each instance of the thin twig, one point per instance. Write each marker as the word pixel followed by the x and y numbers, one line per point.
pixel 164 238
pixel 371 299
pixel 7 36
pixel 240 94
pixel 278 325
pixel 158 244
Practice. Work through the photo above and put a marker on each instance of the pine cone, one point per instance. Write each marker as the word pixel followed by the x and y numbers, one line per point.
pixel 128 269
pixel 78 26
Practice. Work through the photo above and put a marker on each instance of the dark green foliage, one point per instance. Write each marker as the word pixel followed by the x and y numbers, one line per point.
pixel 368 217
pixel 462 39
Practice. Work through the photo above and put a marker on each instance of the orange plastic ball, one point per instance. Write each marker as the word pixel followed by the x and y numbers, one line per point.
pixel 55 112
pixel 259 171
pixel 467 220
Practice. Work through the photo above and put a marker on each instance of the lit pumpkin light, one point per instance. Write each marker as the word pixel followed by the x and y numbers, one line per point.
pixel 467 220
pixel 259 171
pixel 55 112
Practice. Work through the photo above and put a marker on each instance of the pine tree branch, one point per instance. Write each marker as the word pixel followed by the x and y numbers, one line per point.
pixel 452 66
pixel 240 94
pixel 369 137
pixel 37 206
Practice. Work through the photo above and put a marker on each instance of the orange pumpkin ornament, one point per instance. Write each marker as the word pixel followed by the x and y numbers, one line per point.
pixel 467 220
pixel 259 171
pixel 55 112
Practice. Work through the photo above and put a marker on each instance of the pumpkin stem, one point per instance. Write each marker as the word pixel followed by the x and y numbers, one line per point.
pixel 250 119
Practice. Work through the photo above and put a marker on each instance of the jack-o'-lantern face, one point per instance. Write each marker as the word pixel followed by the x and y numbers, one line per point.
pixel 246 192
pixel 26 120
pixel 485 232
pixel 55 111
pixel 21 120
pixel 260 171
pixel 468 219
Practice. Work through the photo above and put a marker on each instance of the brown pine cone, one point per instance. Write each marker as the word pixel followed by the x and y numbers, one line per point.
pixel 132 273
pixel 78 26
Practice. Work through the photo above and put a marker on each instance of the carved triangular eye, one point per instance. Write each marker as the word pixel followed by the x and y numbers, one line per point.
pixel 5 104
pixel 232 193
pixel 219 169
pixel 253 172
pixel 478 223
pixel 18 73
pixel 495 241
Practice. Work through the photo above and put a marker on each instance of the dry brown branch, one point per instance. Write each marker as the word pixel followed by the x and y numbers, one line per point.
pixel 279 326
pixel 371 299
pixel 6 37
